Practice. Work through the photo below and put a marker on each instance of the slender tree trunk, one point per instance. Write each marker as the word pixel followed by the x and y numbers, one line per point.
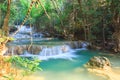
pixel 44 9
pixel 89 34
pixel 57 6
pixel 103 33
pixel 85 34
pixel 84 20
pixel 59 15
pixel 6 20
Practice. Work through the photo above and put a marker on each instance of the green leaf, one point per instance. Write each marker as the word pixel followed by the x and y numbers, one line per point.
pixel 11 38
pixel 2 39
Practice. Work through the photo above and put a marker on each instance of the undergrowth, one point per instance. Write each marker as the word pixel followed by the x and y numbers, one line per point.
pixel 15 67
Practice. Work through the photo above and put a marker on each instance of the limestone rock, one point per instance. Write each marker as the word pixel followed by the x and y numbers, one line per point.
pixel 98 62
pixel 33 49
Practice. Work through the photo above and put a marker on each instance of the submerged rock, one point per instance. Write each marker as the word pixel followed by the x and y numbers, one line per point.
pixel 98 62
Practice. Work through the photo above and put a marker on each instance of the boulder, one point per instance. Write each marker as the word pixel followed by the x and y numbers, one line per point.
pixel 19 50
pixel 98 62
pixel 36 49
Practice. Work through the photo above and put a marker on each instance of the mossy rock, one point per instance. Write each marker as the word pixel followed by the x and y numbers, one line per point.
pixel 98 62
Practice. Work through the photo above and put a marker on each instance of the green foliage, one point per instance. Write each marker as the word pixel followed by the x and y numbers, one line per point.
pixel 4 38
pixel 16 67
pixel 30 65
pixel 88 12
pixel 3 6
pixel 9 77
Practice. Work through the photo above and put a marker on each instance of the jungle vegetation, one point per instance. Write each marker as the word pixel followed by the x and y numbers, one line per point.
pixel 89 20
pixel 95 21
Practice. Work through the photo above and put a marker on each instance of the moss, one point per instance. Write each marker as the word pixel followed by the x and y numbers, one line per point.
pixel 98 62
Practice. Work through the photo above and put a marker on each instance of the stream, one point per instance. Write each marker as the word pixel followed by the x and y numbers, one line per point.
pixel 61 60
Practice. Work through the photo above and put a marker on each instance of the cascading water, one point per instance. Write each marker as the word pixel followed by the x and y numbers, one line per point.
pixel 61 50
pixel 50 51
pixel 24 34
pixel 43 52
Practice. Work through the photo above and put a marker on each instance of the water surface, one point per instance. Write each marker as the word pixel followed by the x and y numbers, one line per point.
pixel 73 69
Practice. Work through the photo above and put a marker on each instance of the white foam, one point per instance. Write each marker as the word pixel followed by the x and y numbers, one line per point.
pixel 54 52
pixel 68 56
pixel 62 52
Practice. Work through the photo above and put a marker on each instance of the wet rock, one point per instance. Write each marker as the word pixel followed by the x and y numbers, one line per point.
pixel 13 29
pixel 18 50
pixel 98 62
pixel 22 49
pixel 64 49
pixel 95 47
pixel 36 49
pixel 78 44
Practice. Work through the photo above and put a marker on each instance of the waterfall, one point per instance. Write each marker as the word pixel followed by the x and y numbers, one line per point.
pixel 43 52
pixel 24 34
pixel 57 50
pixel 64 50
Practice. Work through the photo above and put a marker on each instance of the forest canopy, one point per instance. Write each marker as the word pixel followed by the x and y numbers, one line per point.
pixel 68 19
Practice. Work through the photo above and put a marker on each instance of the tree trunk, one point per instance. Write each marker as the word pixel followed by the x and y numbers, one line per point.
pixel 116 23
pixel 44 9
pixel 85 34
pixel 103 33
pixel 58 11
pixel 6 20
pixel 116 36
pixel 83 19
